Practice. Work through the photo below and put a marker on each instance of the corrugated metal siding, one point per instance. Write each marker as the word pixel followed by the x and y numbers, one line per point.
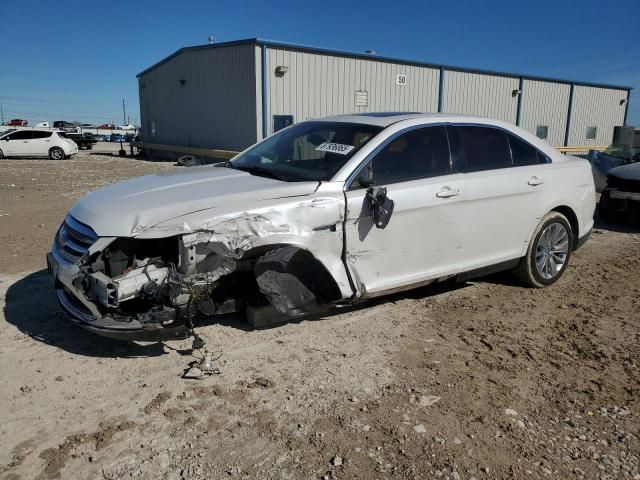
pixel 595 107
pixel 545 103
pixel 216 107
pixel 318 85
pixel 478 94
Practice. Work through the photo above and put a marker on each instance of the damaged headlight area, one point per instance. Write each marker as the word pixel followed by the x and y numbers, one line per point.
pixel 162 283
pixel 155 289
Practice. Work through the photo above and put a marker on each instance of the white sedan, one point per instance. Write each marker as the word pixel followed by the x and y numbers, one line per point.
pixel 324 212
pixel 37 143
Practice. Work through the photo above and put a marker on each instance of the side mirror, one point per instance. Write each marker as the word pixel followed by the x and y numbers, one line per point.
pixel 381 206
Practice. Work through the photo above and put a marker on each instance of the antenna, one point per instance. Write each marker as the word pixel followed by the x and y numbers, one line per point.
pixel 124 113
pixel 211 39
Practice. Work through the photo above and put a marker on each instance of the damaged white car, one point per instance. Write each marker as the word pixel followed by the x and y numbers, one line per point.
pixel 325 212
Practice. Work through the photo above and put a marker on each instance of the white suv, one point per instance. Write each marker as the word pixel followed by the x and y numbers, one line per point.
pixel 37 143
pixel 324 212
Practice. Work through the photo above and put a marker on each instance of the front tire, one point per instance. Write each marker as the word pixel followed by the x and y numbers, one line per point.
pixel 57 153
pixel 549 251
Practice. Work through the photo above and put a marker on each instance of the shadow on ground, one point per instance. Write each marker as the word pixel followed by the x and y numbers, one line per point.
pixel 31 306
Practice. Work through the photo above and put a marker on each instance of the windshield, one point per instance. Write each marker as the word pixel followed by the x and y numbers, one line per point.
pixel 306 151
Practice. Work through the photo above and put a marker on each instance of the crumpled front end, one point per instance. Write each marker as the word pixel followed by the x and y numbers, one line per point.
pixel 105 288
pixel 156 283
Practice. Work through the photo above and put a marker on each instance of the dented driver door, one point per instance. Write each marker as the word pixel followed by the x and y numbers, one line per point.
pixel 424 235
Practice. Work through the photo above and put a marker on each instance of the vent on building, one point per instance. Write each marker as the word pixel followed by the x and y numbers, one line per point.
pixel 362 98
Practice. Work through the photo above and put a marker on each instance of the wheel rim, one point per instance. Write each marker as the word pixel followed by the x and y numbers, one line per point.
pixel 552 250
pixel 56 154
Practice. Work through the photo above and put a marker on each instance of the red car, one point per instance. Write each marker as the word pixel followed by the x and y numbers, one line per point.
pixel 17 122
pixel 107 126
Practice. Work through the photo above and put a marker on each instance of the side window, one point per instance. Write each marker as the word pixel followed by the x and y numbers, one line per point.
pixel 482 148
pixel 37 135
pixel 420 153
pixel 523 153
pixel 21 135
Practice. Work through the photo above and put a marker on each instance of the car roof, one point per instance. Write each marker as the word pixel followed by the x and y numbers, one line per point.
pixel 384 119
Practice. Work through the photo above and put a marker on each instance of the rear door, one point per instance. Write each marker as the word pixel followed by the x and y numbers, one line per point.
pixel 40 142
pixel 502 198
pixel 17 143
pixel 425 234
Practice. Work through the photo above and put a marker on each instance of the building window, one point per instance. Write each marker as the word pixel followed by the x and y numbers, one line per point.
pixel 591 133
pixel 542 131
pixel 362 98
pixel 281 121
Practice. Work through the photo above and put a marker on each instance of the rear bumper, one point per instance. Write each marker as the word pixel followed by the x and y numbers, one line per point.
pixel 141 327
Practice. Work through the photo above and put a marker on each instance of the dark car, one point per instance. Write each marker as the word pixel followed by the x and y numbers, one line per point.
pixel 117 137
pixel 620 200
pixel 17 122
pixel 66 126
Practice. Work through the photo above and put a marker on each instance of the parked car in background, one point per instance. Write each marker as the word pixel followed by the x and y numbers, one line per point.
pixel 128 126
pixel 66 126
pixel 117 137
pixel 17 122
pixel 83 140
pixel 325 212
pixel 99 137
pixel 620 200
pixel 107 126
pixel 37 143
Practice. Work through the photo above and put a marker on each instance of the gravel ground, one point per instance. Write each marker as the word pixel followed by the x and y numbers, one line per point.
pixel 481 380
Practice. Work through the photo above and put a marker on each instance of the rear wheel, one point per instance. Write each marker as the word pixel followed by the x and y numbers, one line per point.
pixel 1 154
pixel 548 253
pixel 56 153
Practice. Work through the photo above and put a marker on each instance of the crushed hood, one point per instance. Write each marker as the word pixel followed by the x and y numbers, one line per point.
pixel 127 208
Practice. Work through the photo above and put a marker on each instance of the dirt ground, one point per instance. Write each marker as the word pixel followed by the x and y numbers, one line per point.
pixel 483 380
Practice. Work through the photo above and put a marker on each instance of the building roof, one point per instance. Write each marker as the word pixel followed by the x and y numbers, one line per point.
pixel 366 56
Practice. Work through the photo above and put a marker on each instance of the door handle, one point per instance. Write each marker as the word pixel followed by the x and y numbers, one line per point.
pixel 25 141
pixel 448 192
pixel 535 181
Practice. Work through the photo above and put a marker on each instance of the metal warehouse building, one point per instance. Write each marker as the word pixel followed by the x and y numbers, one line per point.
pixel 229 95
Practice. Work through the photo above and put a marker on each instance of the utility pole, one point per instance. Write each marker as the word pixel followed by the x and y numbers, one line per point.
pixel 1 114
pixel 124 113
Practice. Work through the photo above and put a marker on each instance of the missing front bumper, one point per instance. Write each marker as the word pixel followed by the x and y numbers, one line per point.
pixel 158 324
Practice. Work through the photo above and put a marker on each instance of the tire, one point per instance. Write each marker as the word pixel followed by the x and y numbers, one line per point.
pixel 56 153
pixel 548 253
pixel 1 155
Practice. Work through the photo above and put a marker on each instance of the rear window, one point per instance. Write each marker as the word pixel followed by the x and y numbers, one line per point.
pixel 482 148
pixel 523 153
pixel 62 134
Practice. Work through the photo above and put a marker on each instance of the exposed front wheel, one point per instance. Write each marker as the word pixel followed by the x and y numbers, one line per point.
pixel 56 154
pixel 548 253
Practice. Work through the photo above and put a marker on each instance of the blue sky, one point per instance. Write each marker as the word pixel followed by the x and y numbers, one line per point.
pixel 77 60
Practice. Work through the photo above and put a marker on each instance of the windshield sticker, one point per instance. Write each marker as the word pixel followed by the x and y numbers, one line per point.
pixel 340 148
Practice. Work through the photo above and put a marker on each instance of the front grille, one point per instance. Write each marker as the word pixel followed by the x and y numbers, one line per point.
pixel 73 240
